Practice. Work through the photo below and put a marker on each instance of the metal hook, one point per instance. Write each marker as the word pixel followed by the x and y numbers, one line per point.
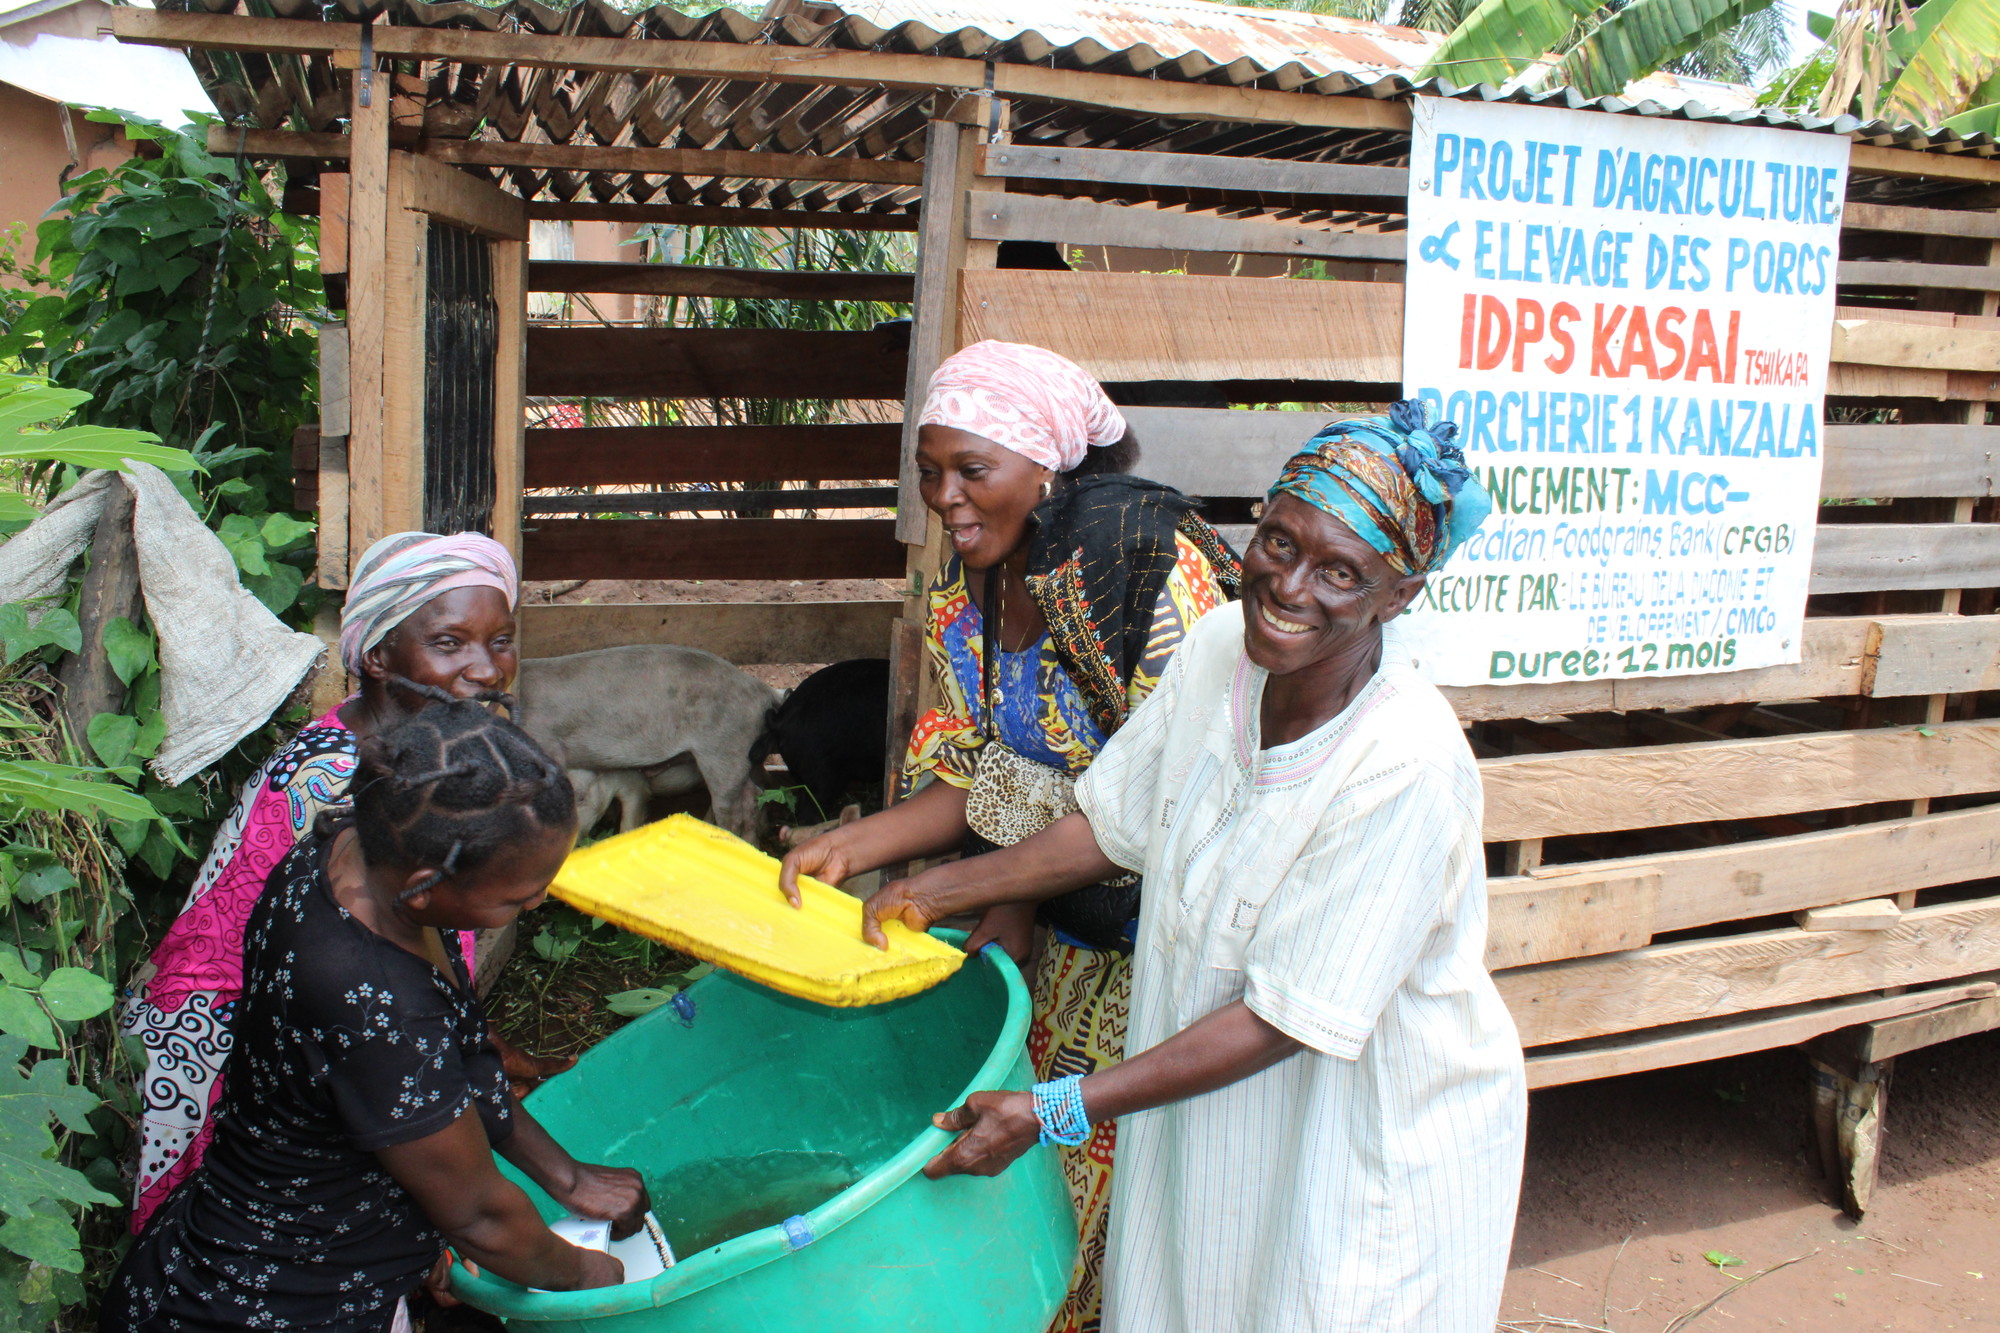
pixel 367 70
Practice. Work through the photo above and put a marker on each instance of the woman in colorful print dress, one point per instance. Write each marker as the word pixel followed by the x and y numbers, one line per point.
pixel 438 610
pixel 1092 577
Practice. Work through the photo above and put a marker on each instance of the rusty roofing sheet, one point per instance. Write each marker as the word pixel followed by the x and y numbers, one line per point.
pixel 583 107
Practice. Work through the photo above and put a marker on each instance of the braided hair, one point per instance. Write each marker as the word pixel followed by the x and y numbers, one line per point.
pixel 453 785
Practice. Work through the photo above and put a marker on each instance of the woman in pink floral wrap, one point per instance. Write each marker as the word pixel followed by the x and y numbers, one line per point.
pixel 434 610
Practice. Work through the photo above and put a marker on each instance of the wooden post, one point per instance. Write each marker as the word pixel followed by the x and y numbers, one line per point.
pixel 110 590
pixel 1848 1103
pixel 950 172
pixel 510 303
pixel 398 505
pixel 1970 414
pixel 368 215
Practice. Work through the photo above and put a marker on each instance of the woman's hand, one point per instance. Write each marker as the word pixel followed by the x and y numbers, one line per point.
pixel 600 1270
pixel 993 1129
pixel 1009 925
pixel 437 1283
pixel 919 902
pixel 614 1193
pixel 826 858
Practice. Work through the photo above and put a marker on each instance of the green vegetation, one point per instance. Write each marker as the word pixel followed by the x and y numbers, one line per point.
pixel 1936 62
pixel 162 317
pixel 1597 47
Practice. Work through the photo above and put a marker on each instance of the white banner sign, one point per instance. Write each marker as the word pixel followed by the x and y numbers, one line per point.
pixel 1629 319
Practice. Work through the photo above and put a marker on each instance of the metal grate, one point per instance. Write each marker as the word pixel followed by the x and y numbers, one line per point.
pixel 461 348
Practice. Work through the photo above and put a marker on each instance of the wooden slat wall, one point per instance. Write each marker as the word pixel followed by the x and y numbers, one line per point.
pixel 1742 797
pixel 695 363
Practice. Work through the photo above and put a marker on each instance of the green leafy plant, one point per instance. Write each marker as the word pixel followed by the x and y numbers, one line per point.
pixel 1600 47
pixel 176 333
pixel 1934 63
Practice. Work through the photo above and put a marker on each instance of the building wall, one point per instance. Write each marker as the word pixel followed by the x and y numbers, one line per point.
pixel 36 152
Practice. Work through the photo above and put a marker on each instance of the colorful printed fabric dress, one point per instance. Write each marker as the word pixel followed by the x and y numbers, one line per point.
pixel 1081 993
pixel 181 1002
pixel 347 1044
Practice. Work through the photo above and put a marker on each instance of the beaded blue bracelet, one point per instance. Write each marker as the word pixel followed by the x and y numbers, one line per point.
pixel 1059 1106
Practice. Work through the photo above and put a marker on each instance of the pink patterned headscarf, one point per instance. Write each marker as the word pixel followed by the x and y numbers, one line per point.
pixel 404 570
pixel 1029 399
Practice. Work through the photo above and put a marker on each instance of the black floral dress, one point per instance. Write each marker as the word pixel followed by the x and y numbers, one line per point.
pixel 344 1044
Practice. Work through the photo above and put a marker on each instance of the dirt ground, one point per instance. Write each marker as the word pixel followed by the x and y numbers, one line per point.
pixel 1713 1158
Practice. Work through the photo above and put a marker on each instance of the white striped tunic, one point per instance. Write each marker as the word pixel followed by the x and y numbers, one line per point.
pixel 1337 885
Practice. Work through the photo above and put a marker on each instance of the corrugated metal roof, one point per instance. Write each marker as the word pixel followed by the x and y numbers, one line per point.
pixel 1269 38
pixel 566 106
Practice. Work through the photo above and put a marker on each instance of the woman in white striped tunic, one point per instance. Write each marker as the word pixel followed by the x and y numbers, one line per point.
pixel 1322 1108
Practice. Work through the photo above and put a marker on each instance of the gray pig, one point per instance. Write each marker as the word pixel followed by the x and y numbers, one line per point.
pixel 650 718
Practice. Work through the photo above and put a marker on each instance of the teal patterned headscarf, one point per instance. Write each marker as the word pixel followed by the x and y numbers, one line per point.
pixel 1399 481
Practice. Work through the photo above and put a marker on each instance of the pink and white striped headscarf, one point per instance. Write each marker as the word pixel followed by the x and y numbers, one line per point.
pixel 404 570
pixel 1029 399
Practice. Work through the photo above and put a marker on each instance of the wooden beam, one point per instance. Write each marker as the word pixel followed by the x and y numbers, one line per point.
pixel 1718 1039
pixel 1881 342
pixel 461 199
pixel 749 504
pixel 333 200
pixel 641 279
pixel 510 365
pixel 730 163
pixel 1214 452
pixel 368 300
pixel 712 548
pixel 702 215
pixel 1887 462
pixel 942 246
pixel 1888 1037
pixel 1868 159
pixel 747 633
pixel 289 145
pixel 1951 277
pixel 766 63
pixel 1700 979
pixel 1598 791
pixel 1218 452
pixel 714 363
pixel 1864 914
pixel 399 505
pixel 1920 221
pixel 1143 326
pixel 1931 654
pixel 1739 881
pixel 1857 381
pixel 1199 171
pixel 670 455
pixel 1878 557
pixel 1539 920
pixel 1028 217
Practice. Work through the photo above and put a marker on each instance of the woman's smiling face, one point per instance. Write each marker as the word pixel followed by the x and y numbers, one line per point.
pixel 1312 588
pixel 983 491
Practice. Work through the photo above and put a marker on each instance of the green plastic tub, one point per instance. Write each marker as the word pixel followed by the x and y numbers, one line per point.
pixel 754 1105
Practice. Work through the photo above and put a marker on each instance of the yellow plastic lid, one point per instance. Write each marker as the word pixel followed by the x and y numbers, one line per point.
pixel 713 895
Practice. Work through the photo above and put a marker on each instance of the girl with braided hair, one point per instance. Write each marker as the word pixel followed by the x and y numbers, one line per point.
pixel 364 1102
pixel 435 613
